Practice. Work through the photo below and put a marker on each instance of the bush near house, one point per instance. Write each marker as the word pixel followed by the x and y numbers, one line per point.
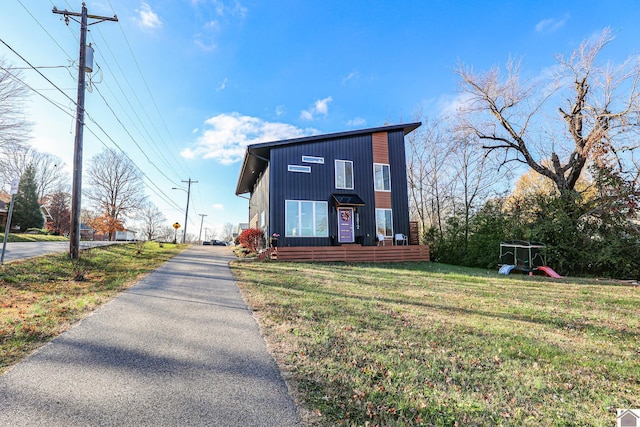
pixel 252 239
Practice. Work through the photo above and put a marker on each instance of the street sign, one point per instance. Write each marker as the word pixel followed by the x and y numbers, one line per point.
pixel 176 225
pixel 14 186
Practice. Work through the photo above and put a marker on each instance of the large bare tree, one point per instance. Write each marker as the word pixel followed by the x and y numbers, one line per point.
pixel 14 126
pixel 584 111
pixel 51 175
pixel 116 187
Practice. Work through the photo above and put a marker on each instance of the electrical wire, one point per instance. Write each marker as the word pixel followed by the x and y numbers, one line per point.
pixel 152 185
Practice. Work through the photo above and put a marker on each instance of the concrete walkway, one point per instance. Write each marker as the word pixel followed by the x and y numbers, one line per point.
pixel 178 349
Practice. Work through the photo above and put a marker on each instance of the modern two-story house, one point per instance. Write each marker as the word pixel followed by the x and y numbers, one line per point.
pixel 332 189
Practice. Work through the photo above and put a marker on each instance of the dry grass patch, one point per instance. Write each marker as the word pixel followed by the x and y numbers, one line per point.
pixel 428 344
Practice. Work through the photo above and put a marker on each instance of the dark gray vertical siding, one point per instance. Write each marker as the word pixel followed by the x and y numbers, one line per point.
pixel 399 189
pixel 319 185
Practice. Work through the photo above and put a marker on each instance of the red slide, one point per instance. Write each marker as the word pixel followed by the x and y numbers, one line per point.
pixel 549 272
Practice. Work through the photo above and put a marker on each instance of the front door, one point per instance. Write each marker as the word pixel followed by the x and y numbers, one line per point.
pixel 345 225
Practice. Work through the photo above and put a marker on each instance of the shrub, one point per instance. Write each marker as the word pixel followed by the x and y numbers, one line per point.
pixel 252 239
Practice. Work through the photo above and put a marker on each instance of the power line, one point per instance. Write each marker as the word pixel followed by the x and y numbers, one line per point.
pixel 151 184
pixel 135 114
pixel 147 87
pixel 131 136
pixel 38 71
pixel 45 30
pixel 159 192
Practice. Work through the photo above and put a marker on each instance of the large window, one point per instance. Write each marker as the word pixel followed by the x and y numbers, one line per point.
pixel 381 177
pixel 344 174
pixel 384 222
pixel 306 218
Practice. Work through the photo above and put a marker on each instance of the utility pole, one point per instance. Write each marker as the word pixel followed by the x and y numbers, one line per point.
pixel 201 221
pixel 76 191
pixel 186 212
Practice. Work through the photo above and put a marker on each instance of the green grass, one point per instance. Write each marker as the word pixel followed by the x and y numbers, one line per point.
pixel 431 344
pixel 24 237
pixel 39 297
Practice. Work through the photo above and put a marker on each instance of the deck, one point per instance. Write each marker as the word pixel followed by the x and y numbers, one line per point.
pixel 350 253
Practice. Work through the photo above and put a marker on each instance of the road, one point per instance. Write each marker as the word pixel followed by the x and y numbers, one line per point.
pixel 20 250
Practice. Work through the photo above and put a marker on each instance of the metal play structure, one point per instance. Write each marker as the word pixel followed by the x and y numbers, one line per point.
pixel 524 256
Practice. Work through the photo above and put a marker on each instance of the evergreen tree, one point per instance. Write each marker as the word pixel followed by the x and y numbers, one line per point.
pixel 26 209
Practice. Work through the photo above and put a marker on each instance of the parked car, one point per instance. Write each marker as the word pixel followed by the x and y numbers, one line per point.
pixel 218 243
pixel 206 242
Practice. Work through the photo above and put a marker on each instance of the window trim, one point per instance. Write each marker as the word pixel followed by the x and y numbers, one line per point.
pixel 299 168
pixel 316 203
pixel 313 159
pixel 374 176
pixel 391 218
pixel 344 162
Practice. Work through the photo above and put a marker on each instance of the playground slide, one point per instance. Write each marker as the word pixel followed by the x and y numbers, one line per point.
pixel 549 272
pixel 506 269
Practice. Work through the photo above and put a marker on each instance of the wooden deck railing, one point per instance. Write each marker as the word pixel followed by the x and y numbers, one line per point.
pixel 351 253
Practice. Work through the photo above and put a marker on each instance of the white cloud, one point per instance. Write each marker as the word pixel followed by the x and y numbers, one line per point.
pixel 228 134
pixel 452 105
pixel 212 25
pixel 202 44
pixel 218 206
pixel 147 18
pixel 352 75
pixel 548 26
pixel 232 8
pixel 320 107
pixel 357 122
pixel 223 85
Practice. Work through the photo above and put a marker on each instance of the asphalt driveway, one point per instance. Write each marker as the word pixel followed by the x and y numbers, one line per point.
pixel 180 348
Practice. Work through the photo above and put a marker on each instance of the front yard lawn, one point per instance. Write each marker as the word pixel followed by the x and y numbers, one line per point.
pixel 430 344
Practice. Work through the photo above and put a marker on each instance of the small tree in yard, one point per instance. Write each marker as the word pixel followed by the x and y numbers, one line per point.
pixel 60 222
pixel 106 225
pixel 26 210
pixel 252 239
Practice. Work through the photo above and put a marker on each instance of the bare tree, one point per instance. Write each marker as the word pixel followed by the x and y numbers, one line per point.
pixel 477 178
pixel 152 221
pixel 14 158
pixel 429 176
pixel 14 127
pixel 115 187
pixel 51 175
pixel 227 232
pixel 599 107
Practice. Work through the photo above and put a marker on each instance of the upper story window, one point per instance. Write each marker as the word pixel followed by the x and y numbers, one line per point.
pixel 381 177
pixel 344 174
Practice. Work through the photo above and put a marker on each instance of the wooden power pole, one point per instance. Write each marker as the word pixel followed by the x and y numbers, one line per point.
pixel 76 191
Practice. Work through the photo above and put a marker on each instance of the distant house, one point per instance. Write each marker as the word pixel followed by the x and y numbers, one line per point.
pixel 5 202
pixel 125 235
pixel 332 189
pixel 4 212
pixel 240 228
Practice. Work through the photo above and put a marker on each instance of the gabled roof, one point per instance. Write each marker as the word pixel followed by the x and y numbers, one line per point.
pixel 257 156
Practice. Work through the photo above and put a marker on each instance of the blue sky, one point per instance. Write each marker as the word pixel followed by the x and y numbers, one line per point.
pixel 183 86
